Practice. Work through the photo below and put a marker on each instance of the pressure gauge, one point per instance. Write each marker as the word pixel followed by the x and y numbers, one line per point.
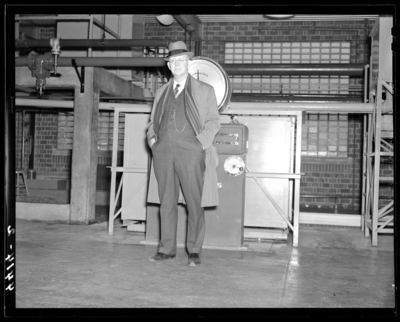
pixel 210 72
pixel 234 165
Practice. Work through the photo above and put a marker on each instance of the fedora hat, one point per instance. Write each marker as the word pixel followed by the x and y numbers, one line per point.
pixel 178 48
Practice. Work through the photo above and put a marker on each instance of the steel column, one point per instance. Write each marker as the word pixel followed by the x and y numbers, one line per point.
pixel 377 166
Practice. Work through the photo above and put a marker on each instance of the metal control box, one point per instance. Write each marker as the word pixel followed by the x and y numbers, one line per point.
pixel 225 223
pixel 232 139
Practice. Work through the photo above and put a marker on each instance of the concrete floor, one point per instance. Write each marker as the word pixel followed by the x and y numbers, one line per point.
pixel 79 266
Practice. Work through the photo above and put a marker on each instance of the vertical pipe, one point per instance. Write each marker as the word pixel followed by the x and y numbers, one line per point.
pixel 336 198
pixel 297 181
pixel 16 33
pixel 23 140
pixel 364 191
pixel 196 48
pixel 377 161
pixel 113 173
pixel 363 173
pixel 366 83
pixel 291 165
pixel 146 83
pixel 354 157
pixel 90 36
pixel 119 35
pixel 32 126
pixel 104 27
pixel 368 174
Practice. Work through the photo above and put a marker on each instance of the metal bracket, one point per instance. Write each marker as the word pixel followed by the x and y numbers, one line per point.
pixel 234 120
pixel 81 76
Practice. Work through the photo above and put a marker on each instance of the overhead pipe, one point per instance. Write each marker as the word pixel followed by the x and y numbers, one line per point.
pixel 256 98
pixel 231 69
pixel 259 97
pixel 243 107
pixel 104 106
pixel 92 43
pixel 43 103
pixel 294 69
pixel 233 108
pixel 268 98
pixel 102 61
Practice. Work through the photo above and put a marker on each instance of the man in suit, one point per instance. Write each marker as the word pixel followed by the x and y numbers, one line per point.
pixel 183 123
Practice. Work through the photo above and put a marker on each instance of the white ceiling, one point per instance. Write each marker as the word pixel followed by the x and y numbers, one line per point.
pixel 262 18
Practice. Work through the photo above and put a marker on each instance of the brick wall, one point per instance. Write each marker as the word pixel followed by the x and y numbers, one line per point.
pixel 46 128
pixel 65 135
pixel 19 124
pixel 44 32
pixel 333 177
pixel 45 142
pixel 386 191
pixel 215 34
pixel 172 32
pixel 325 135
pixel 105 131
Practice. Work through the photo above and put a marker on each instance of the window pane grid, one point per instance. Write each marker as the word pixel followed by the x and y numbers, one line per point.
pixel 323 135
pixel 282 53
pixel 290 53
pixel 105 130
pixel 290 84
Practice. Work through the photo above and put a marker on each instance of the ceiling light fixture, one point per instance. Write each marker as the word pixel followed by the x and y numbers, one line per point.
pixel 165 20
pixel 278 16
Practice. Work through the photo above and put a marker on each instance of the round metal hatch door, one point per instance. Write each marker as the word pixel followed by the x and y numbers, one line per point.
pixel 210 72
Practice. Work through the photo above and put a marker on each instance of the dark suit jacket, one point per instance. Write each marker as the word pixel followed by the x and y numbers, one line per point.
pixel 202 112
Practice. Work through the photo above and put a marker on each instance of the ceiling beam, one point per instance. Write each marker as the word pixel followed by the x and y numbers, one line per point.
pixel 192 24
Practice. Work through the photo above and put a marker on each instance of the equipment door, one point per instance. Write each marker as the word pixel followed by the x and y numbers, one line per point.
pixel 270 151
pixel 136 155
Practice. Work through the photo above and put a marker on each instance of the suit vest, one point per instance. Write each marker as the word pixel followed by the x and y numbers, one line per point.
pixel 174 116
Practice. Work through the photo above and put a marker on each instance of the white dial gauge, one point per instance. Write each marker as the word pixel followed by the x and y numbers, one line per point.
pixel 210 72
pixel 234 165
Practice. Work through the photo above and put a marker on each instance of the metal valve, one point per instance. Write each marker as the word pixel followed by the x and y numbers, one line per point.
pixel 55 50
pixel 41 66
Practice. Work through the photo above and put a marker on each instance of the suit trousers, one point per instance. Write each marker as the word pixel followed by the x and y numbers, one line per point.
pixel 179 161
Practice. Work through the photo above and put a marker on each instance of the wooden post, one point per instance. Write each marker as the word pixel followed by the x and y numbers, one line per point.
pixel 84 153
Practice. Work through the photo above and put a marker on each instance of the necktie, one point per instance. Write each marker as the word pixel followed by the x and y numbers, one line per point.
pixel 176 90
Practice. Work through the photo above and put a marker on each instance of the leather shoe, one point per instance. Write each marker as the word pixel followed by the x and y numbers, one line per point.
pixel 161 257
pixel 194 259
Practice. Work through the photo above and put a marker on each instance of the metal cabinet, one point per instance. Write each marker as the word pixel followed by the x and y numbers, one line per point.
pixel 136 155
